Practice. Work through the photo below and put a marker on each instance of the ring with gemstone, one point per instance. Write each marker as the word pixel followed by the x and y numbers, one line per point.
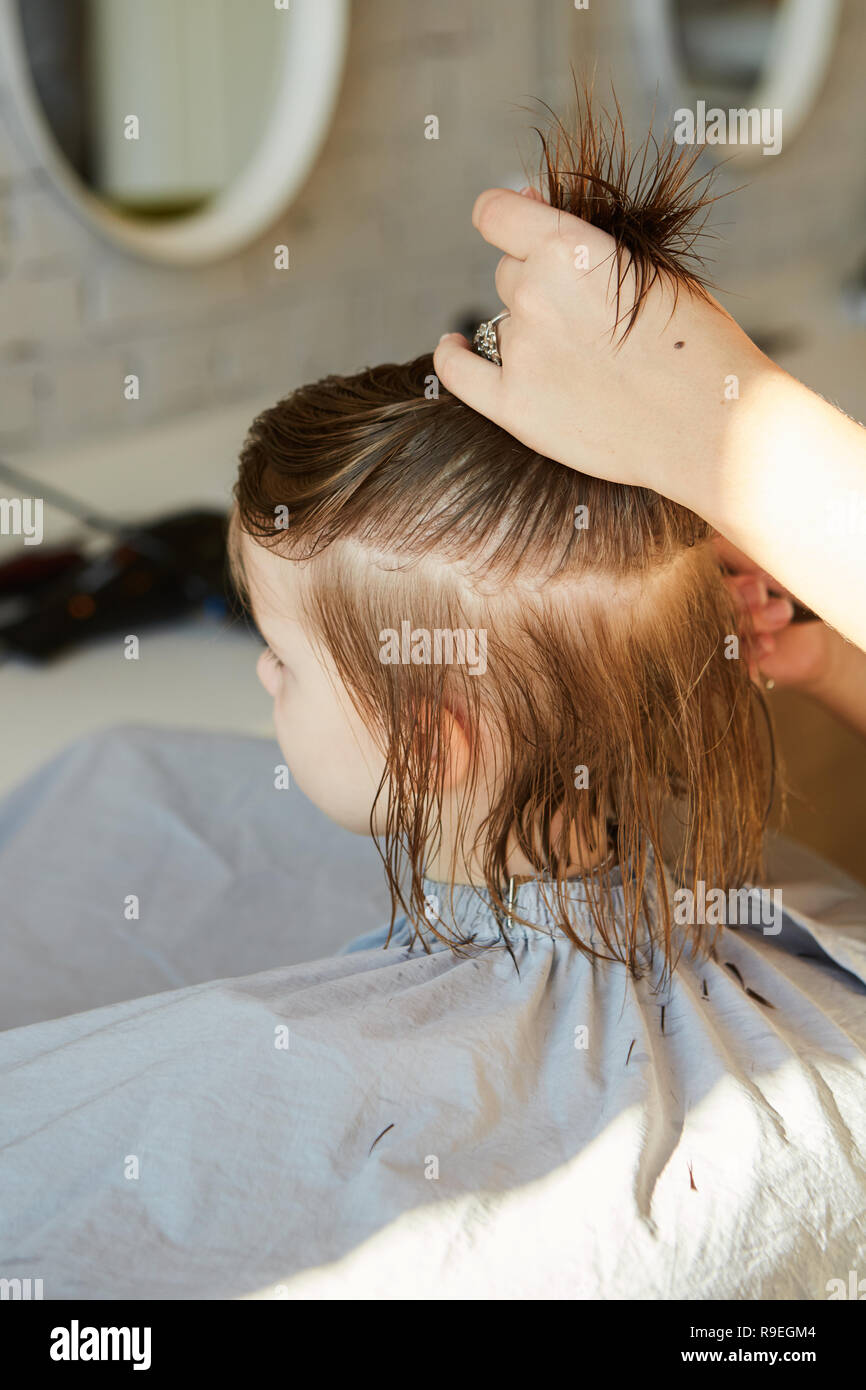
pixel 486 340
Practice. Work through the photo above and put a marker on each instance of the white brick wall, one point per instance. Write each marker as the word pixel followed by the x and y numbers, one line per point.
pixel 383 257
pixel 18 388
pixel 43 312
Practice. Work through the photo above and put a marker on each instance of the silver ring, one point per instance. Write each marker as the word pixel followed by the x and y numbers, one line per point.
pixel 486 340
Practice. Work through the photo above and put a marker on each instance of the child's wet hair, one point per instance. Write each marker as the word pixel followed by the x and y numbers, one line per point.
pixel 611 639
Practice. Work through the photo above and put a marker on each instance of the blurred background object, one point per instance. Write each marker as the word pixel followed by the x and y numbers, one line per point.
pixel 145 573
pixel 297 202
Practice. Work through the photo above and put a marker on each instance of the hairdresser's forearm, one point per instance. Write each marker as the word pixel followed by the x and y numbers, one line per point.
pixel 785 480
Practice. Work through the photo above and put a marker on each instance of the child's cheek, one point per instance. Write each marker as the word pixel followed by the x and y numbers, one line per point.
pixel 284 716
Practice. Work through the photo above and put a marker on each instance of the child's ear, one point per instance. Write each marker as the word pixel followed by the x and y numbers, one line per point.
pixel 454 746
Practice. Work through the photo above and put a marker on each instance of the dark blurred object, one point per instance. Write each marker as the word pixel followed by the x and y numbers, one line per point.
pixel 854 296
pixel 55 35
pixel 159 572
pixel 151 572
pixel 33 572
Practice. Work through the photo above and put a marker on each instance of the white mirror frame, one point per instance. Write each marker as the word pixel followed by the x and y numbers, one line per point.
pixel 314 43
pixel 803 41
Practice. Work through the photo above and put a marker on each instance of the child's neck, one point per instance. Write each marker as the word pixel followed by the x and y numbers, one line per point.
pixel 446 867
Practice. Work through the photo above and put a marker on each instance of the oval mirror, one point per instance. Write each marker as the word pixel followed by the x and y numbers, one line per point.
pixel 181 127
pixel 760 63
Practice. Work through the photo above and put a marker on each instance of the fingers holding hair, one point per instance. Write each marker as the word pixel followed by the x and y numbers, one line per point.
pixel 513 221
pixel 467 374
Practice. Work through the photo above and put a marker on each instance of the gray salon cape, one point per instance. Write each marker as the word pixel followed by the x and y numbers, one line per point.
pixel 394 1122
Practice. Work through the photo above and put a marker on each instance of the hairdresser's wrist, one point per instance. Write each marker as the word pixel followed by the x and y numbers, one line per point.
pixel 741 393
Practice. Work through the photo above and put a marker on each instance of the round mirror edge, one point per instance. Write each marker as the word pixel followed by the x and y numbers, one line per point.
pixel 652 22
pixel 252 203
pixel 807 35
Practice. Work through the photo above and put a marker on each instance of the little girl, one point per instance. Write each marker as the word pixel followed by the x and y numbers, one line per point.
pixel 554 1073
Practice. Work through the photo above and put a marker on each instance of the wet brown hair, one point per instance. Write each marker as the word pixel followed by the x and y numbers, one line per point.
pixel 608 643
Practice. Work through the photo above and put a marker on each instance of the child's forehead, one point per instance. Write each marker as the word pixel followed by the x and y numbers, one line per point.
pixel 271 582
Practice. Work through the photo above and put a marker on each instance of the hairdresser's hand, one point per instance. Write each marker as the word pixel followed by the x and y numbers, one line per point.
pixel 685 404
pixel 807 656
pixel 641 408
pixel 797 655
